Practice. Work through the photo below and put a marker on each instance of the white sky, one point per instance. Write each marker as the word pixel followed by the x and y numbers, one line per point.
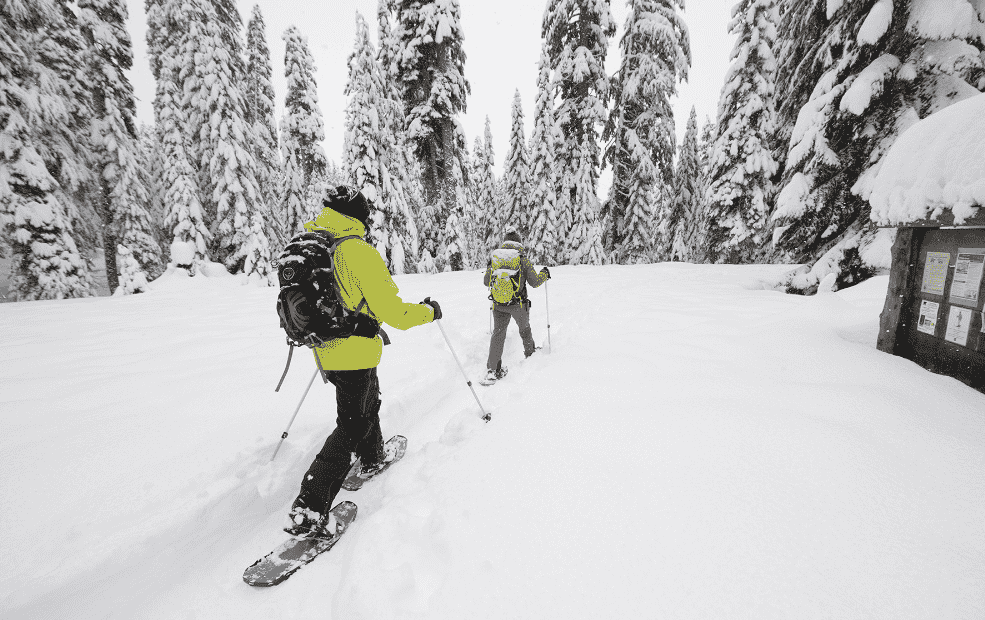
pixel 502 45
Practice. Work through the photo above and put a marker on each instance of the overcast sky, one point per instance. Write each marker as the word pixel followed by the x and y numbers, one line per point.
pixel 502 46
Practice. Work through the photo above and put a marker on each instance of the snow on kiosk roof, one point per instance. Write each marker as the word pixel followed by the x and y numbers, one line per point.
pixel 934 174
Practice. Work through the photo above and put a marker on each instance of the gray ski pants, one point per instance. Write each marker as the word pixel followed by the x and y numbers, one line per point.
pixel 501 320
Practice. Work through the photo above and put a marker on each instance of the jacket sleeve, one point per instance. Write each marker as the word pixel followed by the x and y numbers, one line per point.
pixel 534 278
pixel 380 290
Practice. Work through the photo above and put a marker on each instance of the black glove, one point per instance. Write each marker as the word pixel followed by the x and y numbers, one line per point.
pixel 547 271
pixel 437 309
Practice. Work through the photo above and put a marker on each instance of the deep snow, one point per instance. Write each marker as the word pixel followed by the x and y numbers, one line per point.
pixel 694 446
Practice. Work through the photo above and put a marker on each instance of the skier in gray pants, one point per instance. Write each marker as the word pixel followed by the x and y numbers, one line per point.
pixel 505 307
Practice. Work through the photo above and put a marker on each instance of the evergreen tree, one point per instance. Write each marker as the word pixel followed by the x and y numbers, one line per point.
pixel 576 33
pixel 188 233
pixel 656 53
pixel 152 170
pixel 516 176
pixel 474 167
pixel 456 227
pixel 195 19
pixel 259 110
pixel 239 238
pixel 490 228
pixel 742 163
pixel 706 146
pixel 584 242
pixel 64 135
pixel 133 278
pixel 122 195
pixel 543 236
pixel 403 165
pixel 38 117
pixel 687 195
pixel 431 65
pixel 302 132
pixel 864 71
pixel 369 155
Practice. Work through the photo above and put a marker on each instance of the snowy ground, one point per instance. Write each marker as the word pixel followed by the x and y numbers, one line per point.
pixel 694 446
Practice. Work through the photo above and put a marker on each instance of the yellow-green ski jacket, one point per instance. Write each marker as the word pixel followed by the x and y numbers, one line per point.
pixel 360 272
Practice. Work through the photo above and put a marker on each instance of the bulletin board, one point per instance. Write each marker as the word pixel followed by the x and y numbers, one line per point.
pixel 944 325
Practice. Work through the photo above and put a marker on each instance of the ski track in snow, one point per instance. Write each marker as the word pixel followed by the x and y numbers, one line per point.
pixel 694 445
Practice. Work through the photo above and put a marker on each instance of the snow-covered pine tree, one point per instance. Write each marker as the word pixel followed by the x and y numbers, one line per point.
pixel 152 170
pixel 334 175
pixel 188 232
pixel 472 168
pixel 656 54
pixel 874 69
pixel 584 242
pixel 302 132
pixel 516 175
pixel 490 228
pixel 431 66
pixel 40 116
pixel 193 18
pixel 576 33
pixel 133 278
pixel 259 108
pixel 187 236
pixel 742 163
pixel 227 141
pixel 121 193
pixel 543 237
pixel 687 194
pixel 369 155
pixel 63 135
pixel 404 165
pixel 706 146
pixel 456 231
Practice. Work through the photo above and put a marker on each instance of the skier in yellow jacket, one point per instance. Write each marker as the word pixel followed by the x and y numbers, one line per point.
pixel 350 363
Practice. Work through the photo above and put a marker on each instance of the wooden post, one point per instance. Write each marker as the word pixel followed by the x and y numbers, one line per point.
pixel 899 296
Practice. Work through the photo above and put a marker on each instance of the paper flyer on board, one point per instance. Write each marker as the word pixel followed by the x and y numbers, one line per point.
pixel 958 321
pixel 935 273
pixel 968 269
pixel 928 316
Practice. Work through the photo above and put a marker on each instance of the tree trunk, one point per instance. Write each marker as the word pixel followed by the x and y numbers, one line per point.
pixel 109 238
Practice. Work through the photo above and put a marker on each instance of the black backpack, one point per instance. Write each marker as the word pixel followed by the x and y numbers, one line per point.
pixel 309 303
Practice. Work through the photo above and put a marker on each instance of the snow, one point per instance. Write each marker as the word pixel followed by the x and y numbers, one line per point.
pixel 935 165
pixel 869 84
pixel 944 19
pixel 712 449
pixel 876 23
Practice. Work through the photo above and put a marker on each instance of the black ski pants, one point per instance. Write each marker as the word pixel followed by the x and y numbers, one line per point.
pixel 357 431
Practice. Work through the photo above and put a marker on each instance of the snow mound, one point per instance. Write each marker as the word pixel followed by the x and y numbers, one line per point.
pixel 935 165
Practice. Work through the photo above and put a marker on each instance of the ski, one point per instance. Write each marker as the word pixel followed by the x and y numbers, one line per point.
pixel 289 557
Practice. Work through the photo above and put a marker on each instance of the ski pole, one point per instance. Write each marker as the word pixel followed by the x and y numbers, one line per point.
pixel 490 316
pixel 547 307
pixel 485 416
pixel 284 436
